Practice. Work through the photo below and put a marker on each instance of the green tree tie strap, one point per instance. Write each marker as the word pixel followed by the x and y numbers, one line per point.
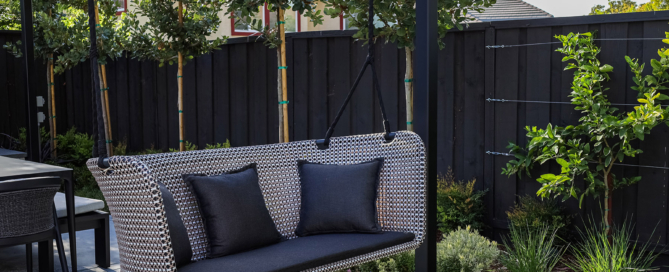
pixel 181 141
pixel 282 22
pixel 97 25
pixel 53 117
pixel 109 141
pixel 410 123
pixel 51 84
pixel 180 111
pixel 283 67
pixel 408 79
pixel 104 89
pixel 179 76
pixel 284 102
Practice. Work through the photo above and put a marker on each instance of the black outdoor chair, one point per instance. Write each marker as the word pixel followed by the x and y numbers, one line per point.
pixel 27 215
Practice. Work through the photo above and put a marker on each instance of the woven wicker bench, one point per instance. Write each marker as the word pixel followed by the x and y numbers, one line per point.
pixel 135 202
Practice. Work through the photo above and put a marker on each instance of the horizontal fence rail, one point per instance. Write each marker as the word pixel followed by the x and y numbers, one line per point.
pixel 231 94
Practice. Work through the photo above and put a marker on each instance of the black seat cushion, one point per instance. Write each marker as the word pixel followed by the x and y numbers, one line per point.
pixel 338 198
pixel 178 233
pixel 302 253
pixel 233 210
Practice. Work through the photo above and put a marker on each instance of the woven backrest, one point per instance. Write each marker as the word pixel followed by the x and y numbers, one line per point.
pixel 136 206
pixel 26 212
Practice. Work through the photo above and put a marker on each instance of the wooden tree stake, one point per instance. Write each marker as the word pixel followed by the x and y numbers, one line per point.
pixel 280 95
pixel 408 87
pixel 105 91
pixel 52 109
pixel 284 77
pixel 180 83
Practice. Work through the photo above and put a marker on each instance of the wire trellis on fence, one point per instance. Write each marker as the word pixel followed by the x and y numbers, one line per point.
pixel 501 46
pixel 493 153
pixel 550 102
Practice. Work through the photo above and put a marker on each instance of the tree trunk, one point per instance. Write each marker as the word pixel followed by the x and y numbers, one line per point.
pixel 279 88
pixel 284 77
pixel 608 205
pixel 105 91
pixel 408 87
pixel 180 83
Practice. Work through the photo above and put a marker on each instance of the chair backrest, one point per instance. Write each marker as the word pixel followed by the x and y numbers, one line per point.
pixel 136 205
pixel 26 205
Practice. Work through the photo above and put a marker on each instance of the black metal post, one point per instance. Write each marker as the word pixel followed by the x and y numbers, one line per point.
pixel 32 131
pixel 425 121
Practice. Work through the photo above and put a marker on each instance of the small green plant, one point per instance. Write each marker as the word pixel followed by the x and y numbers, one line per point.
pixel 458 204
pixel 531 249
pixel 615 253
pixel 75 147
pixel 188 147
pixel 218 145
pixel 464 250
pixel 532 214
pixel 402 262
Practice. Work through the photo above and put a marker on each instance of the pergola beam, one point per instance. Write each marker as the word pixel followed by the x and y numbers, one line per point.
pixel 425 121
pixel 32 127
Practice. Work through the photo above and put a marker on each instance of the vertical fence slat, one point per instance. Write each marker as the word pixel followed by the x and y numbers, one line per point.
pixel 162 113
pixel 258 90
pixel 506 87
pixel 653 186
pixel 148 106
pixel 239 95
pixel 221 89
pixel 123 121
pixel 205 101
pixel 339 83
pixel 318 80
pixel 489 161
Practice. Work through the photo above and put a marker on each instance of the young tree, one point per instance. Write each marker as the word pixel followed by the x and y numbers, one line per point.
pixel 61 40
pixel 396 22
pixel 627 6
pixel 175 31
pixel 274 36
pixel 604 134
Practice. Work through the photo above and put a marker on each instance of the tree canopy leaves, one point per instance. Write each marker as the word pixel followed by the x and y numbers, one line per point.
pixel 159 36
pixel 395 21
pixel 627 6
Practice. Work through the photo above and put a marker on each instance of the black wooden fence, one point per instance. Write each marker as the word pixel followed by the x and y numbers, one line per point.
pixel 231 94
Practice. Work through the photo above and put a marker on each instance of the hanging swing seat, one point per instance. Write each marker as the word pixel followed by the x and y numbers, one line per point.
pixel 130 186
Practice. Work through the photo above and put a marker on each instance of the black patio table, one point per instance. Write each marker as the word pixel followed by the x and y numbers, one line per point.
pixel 17 169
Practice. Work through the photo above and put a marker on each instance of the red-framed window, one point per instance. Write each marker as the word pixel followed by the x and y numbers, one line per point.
pixel 292 18
pixel 122 7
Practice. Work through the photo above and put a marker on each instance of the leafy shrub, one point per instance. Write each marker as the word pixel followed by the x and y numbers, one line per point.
pixel 530 249
pixel 189 147
pixel 532 214
pixel 75 147
pixel 402 262
pixel 464 250
pixel 458 204
pixel 621 254
pixel 219 145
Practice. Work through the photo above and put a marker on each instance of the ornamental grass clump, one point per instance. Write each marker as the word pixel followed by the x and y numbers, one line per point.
pixel 616 253
pixel 531 249
pixel 464 250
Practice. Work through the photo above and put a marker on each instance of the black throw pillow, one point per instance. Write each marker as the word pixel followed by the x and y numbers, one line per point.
pixel 338 198
pixel 233 210
pixel 178 233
